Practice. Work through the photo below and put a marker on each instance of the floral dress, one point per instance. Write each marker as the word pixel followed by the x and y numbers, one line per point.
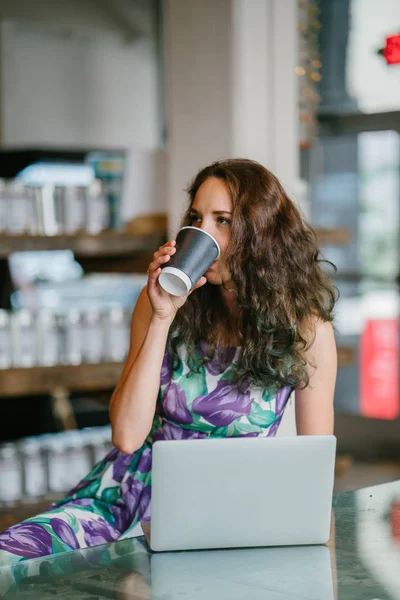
pixel 115 496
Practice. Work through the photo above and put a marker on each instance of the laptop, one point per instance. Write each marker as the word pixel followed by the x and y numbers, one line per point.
pixel 241 492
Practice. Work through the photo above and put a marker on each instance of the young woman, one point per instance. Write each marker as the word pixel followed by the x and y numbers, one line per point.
pixel 221 362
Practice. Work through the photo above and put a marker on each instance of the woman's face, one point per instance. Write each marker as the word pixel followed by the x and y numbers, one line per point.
pixel 212 211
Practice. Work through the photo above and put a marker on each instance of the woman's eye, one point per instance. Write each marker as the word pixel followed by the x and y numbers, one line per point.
pixel 223 221
pixel 194 218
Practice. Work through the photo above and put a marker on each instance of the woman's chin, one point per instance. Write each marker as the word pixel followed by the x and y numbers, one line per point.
pixel 213 278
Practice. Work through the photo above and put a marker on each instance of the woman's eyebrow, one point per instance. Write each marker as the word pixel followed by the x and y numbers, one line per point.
pixel 215 212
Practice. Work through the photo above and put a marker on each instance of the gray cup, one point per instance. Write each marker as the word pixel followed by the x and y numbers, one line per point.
pixel 196 250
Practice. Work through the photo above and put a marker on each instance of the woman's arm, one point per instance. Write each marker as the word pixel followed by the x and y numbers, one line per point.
pixel 134 400
pixel 314 404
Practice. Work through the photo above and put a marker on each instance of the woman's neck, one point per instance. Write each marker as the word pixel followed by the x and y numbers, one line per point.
pixel 230 329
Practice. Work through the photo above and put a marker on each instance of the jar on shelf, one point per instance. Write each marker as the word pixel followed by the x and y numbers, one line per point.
pixel 34 476
pixel 22 217
pixel 70 204
pixel 5 340
pixel 117 333
pixel 46 209
pixel 92 336
pixel 70 336
pixel 11 474
pixel 47 338
pixel 24 339
pixel 96 208
pixel 3 207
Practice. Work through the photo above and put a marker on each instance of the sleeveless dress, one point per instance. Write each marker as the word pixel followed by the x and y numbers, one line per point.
pixel 115 496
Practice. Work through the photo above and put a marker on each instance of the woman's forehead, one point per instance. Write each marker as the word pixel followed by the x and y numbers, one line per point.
pixel 213 195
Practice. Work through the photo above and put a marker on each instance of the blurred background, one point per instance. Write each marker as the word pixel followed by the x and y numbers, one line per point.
pixel 107 109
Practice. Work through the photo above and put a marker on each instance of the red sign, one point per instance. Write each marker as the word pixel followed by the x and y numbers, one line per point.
pixel 391 51
pixel 379 372
pixel 395 520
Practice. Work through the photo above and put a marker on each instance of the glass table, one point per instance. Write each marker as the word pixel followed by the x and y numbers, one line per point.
pixel 361 562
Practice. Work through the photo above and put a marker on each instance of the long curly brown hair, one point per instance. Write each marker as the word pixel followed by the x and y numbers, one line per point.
pixel 274 261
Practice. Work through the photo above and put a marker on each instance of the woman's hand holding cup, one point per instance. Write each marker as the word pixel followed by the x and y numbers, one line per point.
pixel 165 305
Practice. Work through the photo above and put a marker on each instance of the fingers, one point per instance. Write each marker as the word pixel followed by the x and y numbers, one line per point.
pixel 160 258
pixel 167 250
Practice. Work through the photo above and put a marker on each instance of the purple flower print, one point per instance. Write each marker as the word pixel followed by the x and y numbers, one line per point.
pixel 174 432
pixel 120 466
pixel 65 532
pixel 223 405
pixel 131 490
pixel 144 465
pixel 144 504
pixel 282 396
pixel 166 369
pixel 174 404
pixel 136 498
pixel 121 519
pixel 28 540
pixel 98 531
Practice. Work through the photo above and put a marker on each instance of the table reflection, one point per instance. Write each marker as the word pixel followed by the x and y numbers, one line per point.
pixel 289 573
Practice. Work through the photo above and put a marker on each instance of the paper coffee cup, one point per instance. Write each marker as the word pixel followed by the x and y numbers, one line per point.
pixel 196 250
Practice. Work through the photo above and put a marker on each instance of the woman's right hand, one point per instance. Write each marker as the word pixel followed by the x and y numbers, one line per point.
pixel 165 305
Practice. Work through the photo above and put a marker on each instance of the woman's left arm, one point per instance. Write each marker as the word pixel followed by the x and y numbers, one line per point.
pixel 314 404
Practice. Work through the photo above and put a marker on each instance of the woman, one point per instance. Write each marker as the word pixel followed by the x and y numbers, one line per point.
pixel 221 362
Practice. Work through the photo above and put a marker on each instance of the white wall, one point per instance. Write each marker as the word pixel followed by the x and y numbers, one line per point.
pixel 198 92
pixel 264 92
pixel 144 183
pixel 231 88
pixel 69 77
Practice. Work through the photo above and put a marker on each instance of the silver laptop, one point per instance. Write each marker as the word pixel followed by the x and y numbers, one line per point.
pixel 241 492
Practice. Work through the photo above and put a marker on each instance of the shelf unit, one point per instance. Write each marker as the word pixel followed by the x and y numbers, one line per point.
pixel 106 244
pixel 114 243
pixel 44 380
pixel 127 251
pixel 85 377
pixel 119 251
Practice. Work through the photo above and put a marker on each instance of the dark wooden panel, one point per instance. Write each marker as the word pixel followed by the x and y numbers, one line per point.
pixel 43 380
pixel 105 244
pixel 104 376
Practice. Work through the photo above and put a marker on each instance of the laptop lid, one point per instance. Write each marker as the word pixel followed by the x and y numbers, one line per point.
pixel 241 492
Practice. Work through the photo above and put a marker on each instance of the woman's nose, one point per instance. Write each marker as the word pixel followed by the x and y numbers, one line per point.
pixel 205 226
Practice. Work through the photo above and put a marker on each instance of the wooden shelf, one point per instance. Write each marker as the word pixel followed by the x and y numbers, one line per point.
pixel 109 243
pixel 45 380
pixel 125 243
pixel 104 376
pixel 339 236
